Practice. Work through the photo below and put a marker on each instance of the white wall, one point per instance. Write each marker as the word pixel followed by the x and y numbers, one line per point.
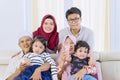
pixel 16 16
pixel 55 8
pixel 115 25
pixel 93 16
pixel 14 19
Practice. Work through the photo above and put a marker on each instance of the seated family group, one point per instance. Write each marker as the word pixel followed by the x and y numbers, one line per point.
pixel 73 46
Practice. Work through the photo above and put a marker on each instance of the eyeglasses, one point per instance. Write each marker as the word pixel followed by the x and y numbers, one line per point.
pixel 73 20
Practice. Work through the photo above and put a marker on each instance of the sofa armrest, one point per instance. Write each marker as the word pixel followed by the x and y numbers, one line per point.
pixel 110 65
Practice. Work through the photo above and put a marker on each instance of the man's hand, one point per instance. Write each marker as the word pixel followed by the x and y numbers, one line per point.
pixel 80 74
pixel 36 75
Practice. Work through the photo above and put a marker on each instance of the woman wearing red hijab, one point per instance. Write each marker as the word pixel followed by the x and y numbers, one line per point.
pixel 48 29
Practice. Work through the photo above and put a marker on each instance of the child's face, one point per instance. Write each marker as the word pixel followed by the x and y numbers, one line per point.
pixel 81 52
pixel 48 25
pixel 69 42
pixel 38 47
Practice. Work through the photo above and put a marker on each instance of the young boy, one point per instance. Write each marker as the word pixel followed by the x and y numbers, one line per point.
pixel 80 61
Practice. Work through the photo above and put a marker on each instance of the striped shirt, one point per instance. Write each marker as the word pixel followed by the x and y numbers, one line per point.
pixel 39 59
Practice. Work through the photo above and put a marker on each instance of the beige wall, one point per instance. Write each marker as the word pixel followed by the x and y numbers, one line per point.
pixel 35 22
pixel 42 7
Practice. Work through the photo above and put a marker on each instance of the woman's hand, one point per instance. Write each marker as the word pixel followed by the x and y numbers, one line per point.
pixel 22 67
pixel 80 74
pixel 63 56
pixel 36 75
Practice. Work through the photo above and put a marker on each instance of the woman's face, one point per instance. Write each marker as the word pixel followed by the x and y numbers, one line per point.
pixel 70 42
pixel 38 47
pixel 25 43
pixel 48 25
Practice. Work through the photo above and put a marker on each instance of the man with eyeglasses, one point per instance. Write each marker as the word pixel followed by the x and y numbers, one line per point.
pixel 73 16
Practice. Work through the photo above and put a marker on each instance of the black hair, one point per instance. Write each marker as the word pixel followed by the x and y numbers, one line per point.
pixel 73 10
pixel 42 39
pixel 50 17
pixel 82 44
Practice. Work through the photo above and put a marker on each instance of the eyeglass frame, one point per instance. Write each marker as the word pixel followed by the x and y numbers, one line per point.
pixel 73 20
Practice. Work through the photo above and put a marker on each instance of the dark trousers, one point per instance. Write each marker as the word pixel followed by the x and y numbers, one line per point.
pixel 27 73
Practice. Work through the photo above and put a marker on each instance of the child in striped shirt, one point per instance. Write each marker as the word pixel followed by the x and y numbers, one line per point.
pixel 36 59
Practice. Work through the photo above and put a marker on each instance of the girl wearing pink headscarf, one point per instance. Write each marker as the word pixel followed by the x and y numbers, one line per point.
pixel 67 48
pixel 48 29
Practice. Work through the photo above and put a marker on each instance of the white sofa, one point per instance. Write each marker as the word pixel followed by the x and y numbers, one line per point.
pixel 109 63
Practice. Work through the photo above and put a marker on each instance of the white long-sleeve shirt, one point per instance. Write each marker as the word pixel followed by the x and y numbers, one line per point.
pixel 13 65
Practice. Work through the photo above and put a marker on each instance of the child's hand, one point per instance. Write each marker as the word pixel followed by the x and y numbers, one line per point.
pixel 26 61
pixel 22 67
pixel 58 69
pixel 80 74
pixel 90 69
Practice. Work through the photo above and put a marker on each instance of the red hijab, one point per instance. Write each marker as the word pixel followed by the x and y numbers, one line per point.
pixel 51 37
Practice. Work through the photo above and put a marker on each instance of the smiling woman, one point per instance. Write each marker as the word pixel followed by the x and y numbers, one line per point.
pixel 48 29
pixel 48 25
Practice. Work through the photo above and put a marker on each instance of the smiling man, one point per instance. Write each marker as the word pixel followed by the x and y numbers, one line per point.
pixel 73 16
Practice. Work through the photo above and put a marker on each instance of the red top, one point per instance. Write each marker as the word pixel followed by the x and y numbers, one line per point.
pixel 51 37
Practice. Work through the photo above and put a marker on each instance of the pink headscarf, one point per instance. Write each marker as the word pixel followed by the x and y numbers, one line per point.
pixel 67 66
pixel 51 37
pixel 74 41
pixel 71 37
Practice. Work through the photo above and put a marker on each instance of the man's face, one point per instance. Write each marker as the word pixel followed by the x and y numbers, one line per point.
pixel 74 21
pixel 25 43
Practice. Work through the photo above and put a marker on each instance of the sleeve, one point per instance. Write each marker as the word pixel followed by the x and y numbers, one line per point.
pixel 35 33
pixel 11 68
pixel 27 55
pixel 90 39
pixel 49 59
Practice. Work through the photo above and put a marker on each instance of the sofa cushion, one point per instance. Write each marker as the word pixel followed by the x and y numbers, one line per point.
pixel 110 70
